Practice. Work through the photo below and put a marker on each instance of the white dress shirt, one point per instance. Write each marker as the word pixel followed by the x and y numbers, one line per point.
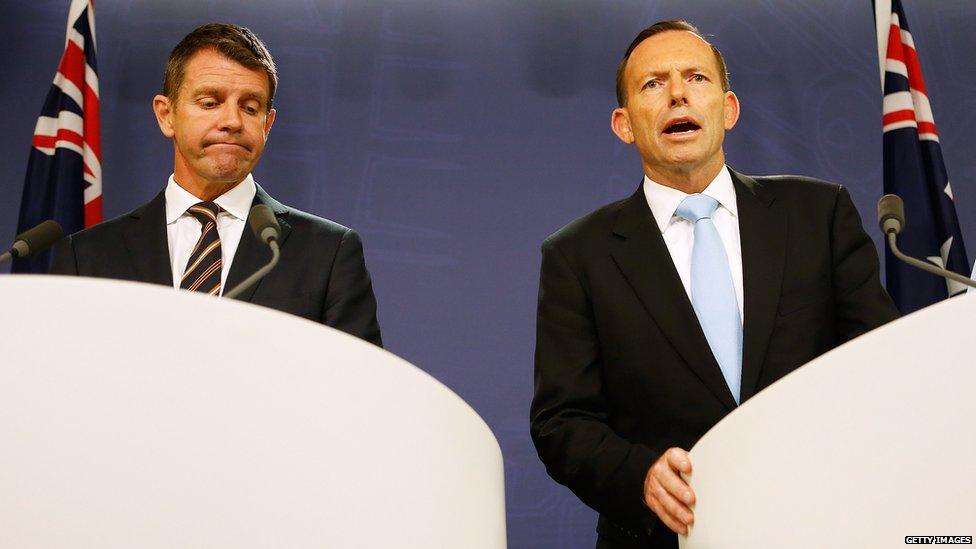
pixel 679 233
pixel 183 230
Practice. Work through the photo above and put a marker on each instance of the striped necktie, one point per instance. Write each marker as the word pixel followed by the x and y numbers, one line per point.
pixel 712 292
pixel 202 273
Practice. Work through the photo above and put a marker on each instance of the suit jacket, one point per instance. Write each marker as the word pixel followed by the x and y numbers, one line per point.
pixel 321 274
pixel 622 368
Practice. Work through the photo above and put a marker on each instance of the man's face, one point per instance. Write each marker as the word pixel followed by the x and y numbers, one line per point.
pixel 219 122
pixel 676 112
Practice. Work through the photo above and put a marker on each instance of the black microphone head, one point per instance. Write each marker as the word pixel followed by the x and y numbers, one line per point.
pixel 37 239
pixel 891 214
pixel 263 223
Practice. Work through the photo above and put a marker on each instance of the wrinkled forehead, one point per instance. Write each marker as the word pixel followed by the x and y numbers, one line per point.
pixel 210 68
pixel 673 48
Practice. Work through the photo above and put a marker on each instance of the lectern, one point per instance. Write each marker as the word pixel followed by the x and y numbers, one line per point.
pixel 864 447
pixel 139 416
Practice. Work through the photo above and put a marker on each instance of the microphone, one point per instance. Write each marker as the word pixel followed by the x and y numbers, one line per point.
pixel 891 219
pixel 891 213
pixel 35 240
pixel 263 223
pixel 265 227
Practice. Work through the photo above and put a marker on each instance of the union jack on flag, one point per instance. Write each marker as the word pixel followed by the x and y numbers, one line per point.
pixel 914 169
pixel 64 173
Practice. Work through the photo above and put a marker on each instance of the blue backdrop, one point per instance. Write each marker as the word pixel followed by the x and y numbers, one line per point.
pixel 456 135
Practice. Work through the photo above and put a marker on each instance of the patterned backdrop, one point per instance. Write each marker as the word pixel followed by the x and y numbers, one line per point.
pixel 456 135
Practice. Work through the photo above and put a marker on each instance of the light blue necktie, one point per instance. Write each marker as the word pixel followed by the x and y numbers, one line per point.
pixel 712 292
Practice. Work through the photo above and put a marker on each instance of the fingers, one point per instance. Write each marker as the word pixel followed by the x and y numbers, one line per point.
pixel 666 471
pixel 667 494
pixel 676 487
pixel 668 519
pixel 679 460
pixel 675 506
pixel 671 511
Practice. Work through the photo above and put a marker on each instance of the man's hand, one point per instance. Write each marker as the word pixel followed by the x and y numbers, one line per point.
pixel 667 494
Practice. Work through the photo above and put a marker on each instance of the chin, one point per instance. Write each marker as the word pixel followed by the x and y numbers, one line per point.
pixel 682 160
pixel 228 173
pixel 687 156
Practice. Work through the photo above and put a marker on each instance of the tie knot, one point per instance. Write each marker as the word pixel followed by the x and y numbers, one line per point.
pixel 204 212
pixel 696 207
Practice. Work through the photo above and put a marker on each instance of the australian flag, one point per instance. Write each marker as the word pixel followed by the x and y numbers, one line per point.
pixel 914 169
pixel 64 173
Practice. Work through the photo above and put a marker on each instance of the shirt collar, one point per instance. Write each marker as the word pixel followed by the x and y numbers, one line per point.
pixel 236 202
pixel 664 200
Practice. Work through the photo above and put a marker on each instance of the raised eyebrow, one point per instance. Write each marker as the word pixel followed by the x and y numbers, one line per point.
pixel 654 74
pixel 647 77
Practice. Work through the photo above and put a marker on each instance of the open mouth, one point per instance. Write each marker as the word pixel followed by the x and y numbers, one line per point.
pixel 680 126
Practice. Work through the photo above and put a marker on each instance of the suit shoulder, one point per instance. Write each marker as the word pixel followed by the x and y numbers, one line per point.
pixel 808 201
pixel 797 185
pixel 108 229
pixel 592 226
pixel 314 225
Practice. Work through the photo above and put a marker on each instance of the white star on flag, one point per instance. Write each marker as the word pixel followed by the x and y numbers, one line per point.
pixel 953 286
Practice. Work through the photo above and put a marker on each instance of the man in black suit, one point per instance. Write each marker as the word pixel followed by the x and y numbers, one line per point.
pixel 656 319
pixel 217 107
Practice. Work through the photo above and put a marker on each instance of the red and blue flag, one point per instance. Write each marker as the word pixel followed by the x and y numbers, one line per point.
pixel 914 169
pixel 64 173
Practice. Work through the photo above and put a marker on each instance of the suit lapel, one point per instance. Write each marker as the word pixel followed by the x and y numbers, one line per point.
pixel 251 254
pixel 146 242
pixel 643 258
pixel 763 233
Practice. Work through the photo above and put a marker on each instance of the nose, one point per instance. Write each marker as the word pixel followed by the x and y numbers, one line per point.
pixel 230 117
pixel 677 89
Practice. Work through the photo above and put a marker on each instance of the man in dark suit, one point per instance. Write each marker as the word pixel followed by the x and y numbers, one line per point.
pixel 217 107
pixel 661 313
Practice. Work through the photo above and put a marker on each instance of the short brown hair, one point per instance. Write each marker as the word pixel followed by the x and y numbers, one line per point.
pixel 657 28
pixel 239 44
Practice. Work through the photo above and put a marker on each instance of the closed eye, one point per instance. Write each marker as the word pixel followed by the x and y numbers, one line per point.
pixel 252 105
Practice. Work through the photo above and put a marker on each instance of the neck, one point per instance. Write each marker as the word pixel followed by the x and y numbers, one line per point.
pixel 689 180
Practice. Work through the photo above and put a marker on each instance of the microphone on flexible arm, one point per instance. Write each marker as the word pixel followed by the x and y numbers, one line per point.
pixel 891 218
pixel 265 227
pixel 35 240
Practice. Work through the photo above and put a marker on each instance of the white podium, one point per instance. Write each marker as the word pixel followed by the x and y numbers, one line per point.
pixel 138 416
pixel 870 443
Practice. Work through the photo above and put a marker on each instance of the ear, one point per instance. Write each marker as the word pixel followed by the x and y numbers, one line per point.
pixel 268 122
pixel 731 110
pixel 620 124
pixel 163 109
